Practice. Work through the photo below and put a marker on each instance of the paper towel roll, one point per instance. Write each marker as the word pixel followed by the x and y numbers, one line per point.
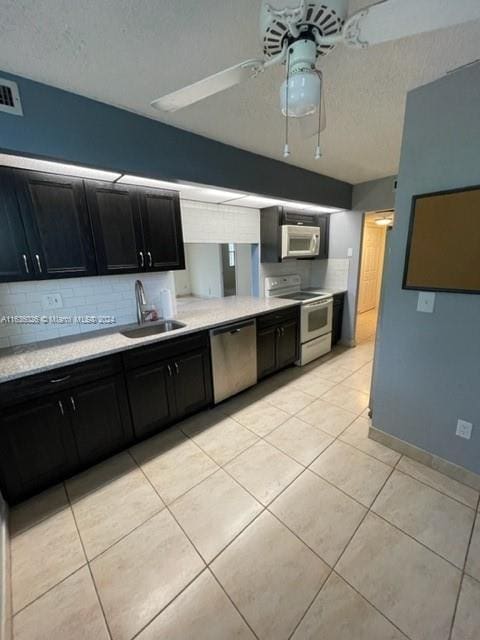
pixel 168 304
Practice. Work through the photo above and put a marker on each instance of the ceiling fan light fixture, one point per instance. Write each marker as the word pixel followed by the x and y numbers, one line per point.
pixel 304 90
pixel 384 221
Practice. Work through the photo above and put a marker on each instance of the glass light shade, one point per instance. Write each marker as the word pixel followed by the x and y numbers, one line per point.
pixel 303 94
pixel 384 222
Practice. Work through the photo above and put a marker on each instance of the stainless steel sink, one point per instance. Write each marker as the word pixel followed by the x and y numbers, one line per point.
pixel 163 326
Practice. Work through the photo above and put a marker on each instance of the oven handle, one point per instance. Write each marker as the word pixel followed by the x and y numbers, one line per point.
pixel 320 303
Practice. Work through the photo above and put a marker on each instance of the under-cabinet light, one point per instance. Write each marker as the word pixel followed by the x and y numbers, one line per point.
pixel 48 166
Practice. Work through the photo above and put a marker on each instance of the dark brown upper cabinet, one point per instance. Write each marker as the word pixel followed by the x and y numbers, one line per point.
pixel 135 229
pixel 15 262
pixel 57 226
pixel 162 229
pixel 117 227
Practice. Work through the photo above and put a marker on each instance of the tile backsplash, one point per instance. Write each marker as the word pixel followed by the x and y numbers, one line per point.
pixel 98 296
pixel 331 273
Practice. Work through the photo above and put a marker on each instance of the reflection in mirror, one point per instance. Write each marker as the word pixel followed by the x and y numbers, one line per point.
pixel 216 270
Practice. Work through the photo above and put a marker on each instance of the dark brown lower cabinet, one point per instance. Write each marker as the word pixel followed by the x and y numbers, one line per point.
pixel 278 341
pixel 151 398
pixel 36 447
pixel 100 419
pixel 162 392
pixel 47 440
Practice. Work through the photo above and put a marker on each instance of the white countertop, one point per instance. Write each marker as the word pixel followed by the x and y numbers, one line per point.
pixel 196 313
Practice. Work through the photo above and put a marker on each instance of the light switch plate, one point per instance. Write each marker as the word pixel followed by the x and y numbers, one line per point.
pixel 52 301
pixel 349 252
pixel 464 429
pixel 426 302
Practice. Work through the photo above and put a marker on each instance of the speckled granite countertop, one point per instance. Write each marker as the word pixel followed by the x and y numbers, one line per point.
pixel 196 313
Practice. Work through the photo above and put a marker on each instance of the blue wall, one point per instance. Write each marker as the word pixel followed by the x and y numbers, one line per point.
pixel 427 366
pixel 65 126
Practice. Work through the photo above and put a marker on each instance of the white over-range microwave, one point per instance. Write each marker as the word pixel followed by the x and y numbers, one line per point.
pixel 300 241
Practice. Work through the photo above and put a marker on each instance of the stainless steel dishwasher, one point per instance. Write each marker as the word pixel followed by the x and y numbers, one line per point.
pixel 234 358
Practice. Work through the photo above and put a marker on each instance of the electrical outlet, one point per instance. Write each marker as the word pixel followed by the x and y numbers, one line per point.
pixel 426 302
pixel 464 429
pixel 52 301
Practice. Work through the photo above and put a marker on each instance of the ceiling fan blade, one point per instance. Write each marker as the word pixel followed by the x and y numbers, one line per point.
pixel 208 86
pixel 394 19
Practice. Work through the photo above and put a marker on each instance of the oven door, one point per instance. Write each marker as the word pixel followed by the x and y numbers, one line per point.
pixel 299 241
pixel 316 319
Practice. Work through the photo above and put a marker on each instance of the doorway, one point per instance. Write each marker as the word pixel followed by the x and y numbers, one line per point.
pixel 375 228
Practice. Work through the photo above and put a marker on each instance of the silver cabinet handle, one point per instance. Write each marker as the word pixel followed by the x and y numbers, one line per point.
pixel 142 260
pixel 55 380
pixel 72 402
pixel 177 368
pixel 169 369
pixel 60 405
pixel 39 264
pixel 150 261
pixel 25 262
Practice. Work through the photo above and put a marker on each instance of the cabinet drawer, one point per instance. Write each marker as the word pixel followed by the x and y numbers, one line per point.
pixel 164 350
pixel 277 317
pixel 58 379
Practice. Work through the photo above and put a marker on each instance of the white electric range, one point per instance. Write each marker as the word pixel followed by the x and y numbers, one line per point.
pixel 315 315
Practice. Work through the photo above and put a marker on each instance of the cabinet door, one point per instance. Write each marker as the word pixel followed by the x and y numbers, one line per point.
pixel 266 351
pixel 36 447
pixel 162 227
pixel 14 255
pixel 287 344
pixel 116 227
pixel 324 224
pixel 193 385
pixel 55 216
pixel 150 390
pixel 100 418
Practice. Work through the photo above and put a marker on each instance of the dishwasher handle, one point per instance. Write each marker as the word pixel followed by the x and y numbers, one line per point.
pixel 233 328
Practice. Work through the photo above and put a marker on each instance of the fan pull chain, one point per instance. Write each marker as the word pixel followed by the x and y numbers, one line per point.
pixel 318 150
pixel 286 148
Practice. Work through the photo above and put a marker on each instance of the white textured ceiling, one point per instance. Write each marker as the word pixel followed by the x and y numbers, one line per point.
pixel 128 52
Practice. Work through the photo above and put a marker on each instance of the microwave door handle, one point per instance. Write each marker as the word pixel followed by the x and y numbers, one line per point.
pixel 316 244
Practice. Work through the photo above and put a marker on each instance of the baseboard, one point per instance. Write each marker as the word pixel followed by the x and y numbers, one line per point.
pixel 450 469
pixel 5 595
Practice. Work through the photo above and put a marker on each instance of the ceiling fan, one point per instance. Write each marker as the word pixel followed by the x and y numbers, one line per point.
pixel 299 36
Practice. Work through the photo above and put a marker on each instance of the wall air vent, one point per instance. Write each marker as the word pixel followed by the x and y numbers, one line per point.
pixel 10 98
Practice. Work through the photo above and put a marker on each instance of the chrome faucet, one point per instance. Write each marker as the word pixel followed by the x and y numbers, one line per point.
pixel 141 302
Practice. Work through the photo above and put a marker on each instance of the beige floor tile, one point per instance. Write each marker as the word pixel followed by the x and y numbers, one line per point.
pixel 40 507
pixel 467 619
pixel 214 512
pixel 352 471
pixel 289 399
pixel 246 400
pixel 347 398
pixel 70 611
pixel 201 612
pixel 142 573
pixel 44 554
pixel 218 435
pixel 473 560
pixel 442 524
pixel 261 417
pixel 361 379
pixel 312 384
pixel 173 463
pixel 330 370
pixel 357 435
pixel 410 585
pixel 322 516
pixel 438 481
pixel 109 501
pixel 299 440
pixel 264 471
pixel 270 576
pixel 327 417
pixel 340 613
